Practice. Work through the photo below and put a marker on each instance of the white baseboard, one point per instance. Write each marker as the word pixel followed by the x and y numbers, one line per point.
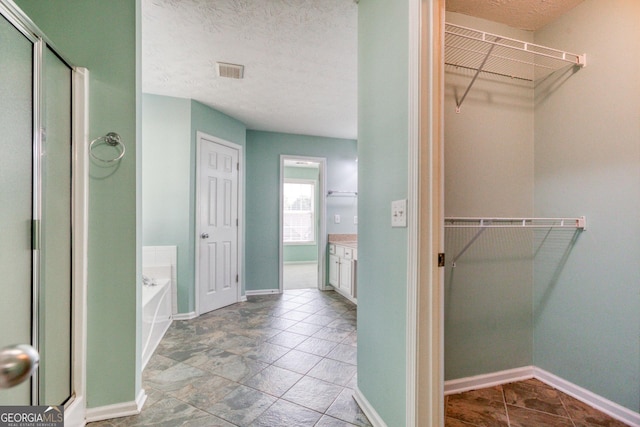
pixel 488 380
pixel 117 410
pixel 600 403
pixel 610 408
pixel 75 413
pixel 262 292
pixel 185 316
pixel 375 419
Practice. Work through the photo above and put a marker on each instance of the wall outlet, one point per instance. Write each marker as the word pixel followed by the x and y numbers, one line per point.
pixel 355 219
pixel 399 213
pixel 336 219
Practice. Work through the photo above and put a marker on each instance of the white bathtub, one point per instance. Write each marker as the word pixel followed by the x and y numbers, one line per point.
pixel 156 316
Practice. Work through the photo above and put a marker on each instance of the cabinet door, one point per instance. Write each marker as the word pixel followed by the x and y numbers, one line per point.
pixel 334 270
pixel 345 276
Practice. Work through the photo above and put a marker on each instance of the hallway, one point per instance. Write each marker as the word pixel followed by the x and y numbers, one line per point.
pixel 275 360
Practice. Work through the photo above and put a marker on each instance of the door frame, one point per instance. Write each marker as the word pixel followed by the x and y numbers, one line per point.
pixel 321 213
pixel 75 410
pixel 425 294
pixel 75 413
pixel 200 136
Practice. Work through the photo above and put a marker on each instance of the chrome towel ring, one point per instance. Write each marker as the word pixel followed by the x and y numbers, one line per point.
pixel 112 139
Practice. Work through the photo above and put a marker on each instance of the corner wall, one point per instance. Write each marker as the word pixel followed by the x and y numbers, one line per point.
pixel 587 162
pixel 488 173
pixel 170 127
pixel 166 183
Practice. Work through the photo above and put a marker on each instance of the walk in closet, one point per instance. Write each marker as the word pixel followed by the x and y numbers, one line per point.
pixel 542 199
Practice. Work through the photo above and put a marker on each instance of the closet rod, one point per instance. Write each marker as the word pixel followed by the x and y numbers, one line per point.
pixel 477 222
pixel 488 72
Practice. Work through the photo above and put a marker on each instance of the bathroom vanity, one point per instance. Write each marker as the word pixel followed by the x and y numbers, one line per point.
pixel 343 259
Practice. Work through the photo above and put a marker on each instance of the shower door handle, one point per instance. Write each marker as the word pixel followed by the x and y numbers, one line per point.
pixel 17 363
pixel 204 236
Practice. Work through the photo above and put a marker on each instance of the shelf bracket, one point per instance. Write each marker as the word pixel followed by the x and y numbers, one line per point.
pixel 467 246
pixel 475 76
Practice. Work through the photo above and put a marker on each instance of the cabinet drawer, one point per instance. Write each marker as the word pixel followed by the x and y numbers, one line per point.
pixel 348 253
pixel 332 249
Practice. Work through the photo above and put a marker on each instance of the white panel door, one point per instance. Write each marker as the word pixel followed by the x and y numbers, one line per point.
pixel 218 226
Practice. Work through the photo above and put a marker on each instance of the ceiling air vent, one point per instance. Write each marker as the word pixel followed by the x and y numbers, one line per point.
pixel 232 71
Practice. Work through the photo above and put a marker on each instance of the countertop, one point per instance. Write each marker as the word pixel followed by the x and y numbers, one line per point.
pixel 348 240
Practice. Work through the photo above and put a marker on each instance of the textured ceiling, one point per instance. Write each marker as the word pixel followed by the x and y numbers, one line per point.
pixel 300 56
pixel 300 59
pixel 522 14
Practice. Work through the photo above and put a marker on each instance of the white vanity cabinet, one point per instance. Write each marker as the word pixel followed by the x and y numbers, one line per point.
pixel 342 269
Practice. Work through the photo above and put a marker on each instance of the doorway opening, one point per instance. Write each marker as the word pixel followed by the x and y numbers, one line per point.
pixel 302 225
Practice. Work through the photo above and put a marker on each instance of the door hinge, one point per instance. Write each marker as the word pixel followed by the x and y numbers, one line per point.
pixel 441 262
pixel 236 222
pixel 238 166
pixel 35 234
pixel 237 278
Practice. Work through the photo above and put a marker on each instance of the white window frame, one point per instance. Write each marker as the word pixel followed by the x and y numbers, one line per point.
pixel 314 212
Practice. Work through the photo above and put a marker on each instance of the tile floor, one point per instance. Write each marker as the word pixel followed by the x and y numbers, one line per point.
pixel 278 360
pixel 529 403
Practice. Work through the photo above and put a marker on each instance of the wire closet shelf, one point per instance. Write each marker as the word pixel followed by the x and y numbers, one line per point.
pixel 579 223
pixel 482 224
pixel 479 51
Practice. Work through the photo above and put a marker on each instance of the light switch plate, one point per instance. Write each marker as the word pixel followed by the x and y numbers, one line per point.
pixel 336 218
pixel 399 213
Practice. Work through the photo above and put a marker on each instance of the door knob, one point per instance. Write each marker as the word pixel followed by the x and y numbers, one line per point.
pixel 17 363
pixel 204 235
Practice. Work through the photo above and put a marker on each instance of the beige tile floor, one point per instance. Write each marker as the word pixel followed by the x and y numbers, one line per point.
pixel 300 276
pixel 278 360
pixel 529 403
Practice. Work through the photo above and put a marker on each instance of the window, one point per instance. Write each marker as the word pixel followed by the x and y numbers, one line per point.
pixel 299 211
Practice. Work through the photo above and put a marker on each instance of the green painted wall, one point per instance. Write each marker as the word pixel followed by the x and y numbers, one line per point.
pixel 170 126
pixel 488 172
pixel 383 120
pixel 587 162
pixel 166 182
pixel 101 36
pixel 302 253
pixel 262 196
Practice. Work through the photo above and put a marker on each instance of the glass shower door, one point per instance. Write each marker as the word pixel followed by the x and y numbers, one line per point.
pixel 55 263
pixel 16 127
pixel 35 213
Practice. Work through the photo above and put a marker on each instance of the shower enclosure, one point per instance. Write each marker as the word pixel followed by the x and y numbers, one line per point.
pixel 38 259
